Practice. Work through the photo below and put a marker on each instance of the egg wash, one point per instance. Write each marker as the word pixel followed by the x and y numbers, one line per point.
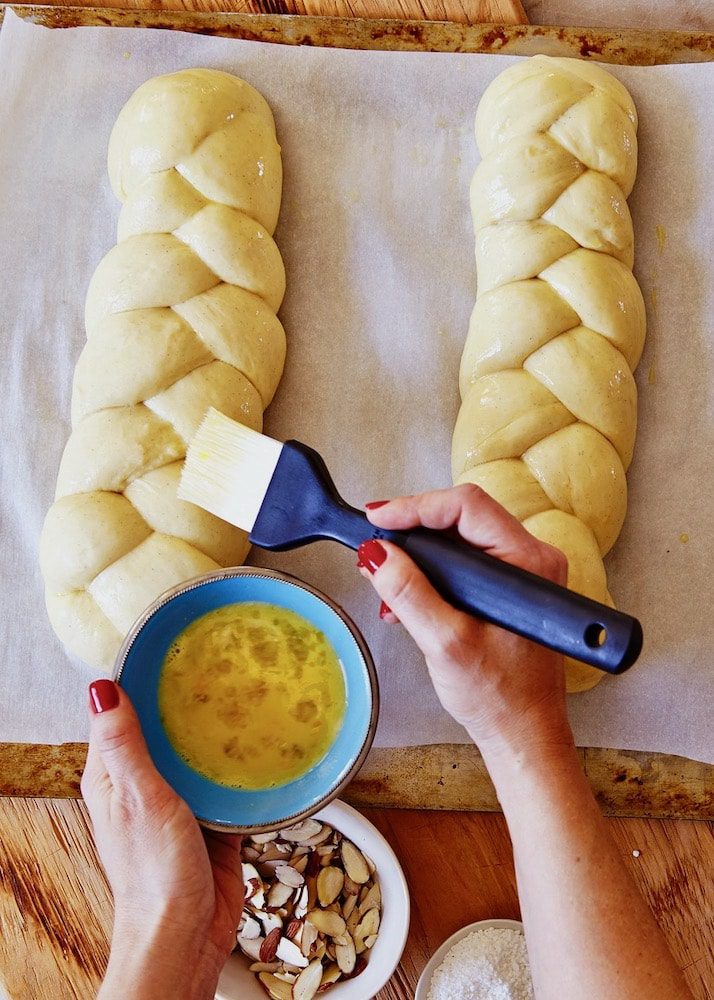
pixel 251 695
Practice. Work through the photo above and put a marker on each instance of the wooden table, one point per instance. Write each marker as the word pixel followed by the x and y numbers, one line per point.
pixel 55 907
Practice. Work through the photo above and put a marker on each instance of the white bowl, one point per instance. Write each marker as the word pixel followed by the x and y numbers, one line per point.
pixel 422 990
pixel 238 983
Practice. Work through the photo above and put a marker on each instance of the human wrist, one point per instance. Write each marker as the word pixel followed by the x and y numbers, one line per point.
pixel 534 738
pixel 532 765
pixel 157 956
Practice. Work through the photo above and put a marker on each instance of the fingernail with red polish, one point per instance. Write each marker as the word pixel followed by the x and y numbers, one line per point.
pixel 374 504
pixel 384 610
pixel 360 564
pixel 372 554
pixel 103 696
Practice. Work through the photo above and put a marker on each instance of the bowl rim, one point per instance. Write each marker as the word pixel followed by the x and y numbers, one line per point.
pixel 231 572
pixel 422 987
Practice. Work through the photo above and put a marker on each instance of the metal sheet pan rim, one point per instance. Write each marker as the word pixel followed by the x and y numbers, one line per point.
pixel 625 46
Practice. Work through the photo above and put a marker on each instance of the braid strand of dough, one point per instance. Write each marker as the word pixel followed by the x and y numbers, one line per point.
pixel 180 316
pixel 549 403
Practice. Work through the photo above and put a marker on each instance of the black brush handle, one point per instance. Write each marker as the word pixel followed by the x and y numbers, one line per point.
pixel 526 604
pixel 302 505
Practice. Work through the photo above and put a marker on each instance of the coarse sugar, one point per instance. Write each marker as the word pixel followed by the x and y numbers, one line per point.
pixel 489 964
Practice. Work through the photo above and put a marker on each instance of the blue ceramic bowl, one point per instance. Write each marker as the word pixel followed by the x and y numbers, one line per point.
pixel 138 668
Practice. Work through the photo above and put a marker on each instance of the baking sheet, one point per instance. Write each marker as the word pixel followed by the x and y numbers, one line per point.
pixel 377 241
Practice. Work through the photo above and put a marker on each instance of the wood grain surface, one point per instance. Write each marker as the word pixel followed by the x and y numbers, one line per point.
pixel 461 11
pixel 440 776
pixel 55 908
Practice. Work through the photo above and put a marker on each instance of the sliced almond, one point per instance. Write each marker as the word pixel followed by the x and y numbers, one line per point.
pixel 264 838
pixel 299 864
pixel 372 898
pixel 352 921
pixel 279 894
pixel 269 947
pixel 250 873
pixel 351 888
pixel 255 894
pixel 370 864
pixel 276 988
pixel 327 922
pixel 346 956
pixel 271 852
pixel 253 887
pixel 288 951
pixel 308 982
pixel 311 904
pixel 293 928
pixel 268 868
pixel 288 876
pixel 354 862
pixel 329 885
pixel 249 927
pixel 369 923
pixel 302 832
pixel 250 947
pixel 270 922
pixel 302 902
pixel 320 838
pixel 331 974
pixel 308 938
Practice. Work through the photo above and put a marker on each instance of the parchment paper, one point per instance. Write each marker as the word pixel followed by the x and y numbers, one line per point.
pixel 376 236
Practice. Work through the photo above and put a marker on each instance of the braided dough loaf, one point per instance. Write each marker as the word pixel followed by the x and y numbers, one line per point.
pixel 548 415
pixel 180 316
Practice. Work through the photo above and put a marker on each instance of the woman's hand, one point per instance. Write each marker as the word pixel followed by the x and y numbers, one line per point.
pixel 504 689
pixel 178 892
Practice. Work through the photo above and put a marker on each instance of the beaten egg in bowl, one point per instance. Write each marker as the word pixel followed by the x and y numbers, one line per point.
pixel 251 695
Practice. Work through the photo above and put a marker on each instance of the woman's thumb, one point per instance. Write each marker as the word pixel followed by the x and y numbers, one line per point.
pixel 115 734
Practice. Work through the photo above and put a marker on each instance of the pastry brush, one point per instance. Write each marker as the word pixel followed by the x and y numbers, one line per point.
pixel 284 496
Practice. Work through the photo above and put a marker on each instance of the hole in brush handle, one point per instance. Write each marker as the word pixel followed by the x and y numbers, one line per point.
pixel 526 604
pixel 595 635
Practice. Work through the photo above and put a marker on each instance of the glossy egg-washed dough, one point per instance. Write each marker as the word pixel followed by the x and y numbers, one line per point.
pixel 180 316
pixel 549 404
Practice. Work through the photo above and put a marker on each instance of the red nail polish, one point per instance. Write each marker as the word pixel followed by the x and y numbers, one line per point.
pixel 103 696
pixel 374 504
pixel 384 609
pixel 372 554
pixel 360 564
